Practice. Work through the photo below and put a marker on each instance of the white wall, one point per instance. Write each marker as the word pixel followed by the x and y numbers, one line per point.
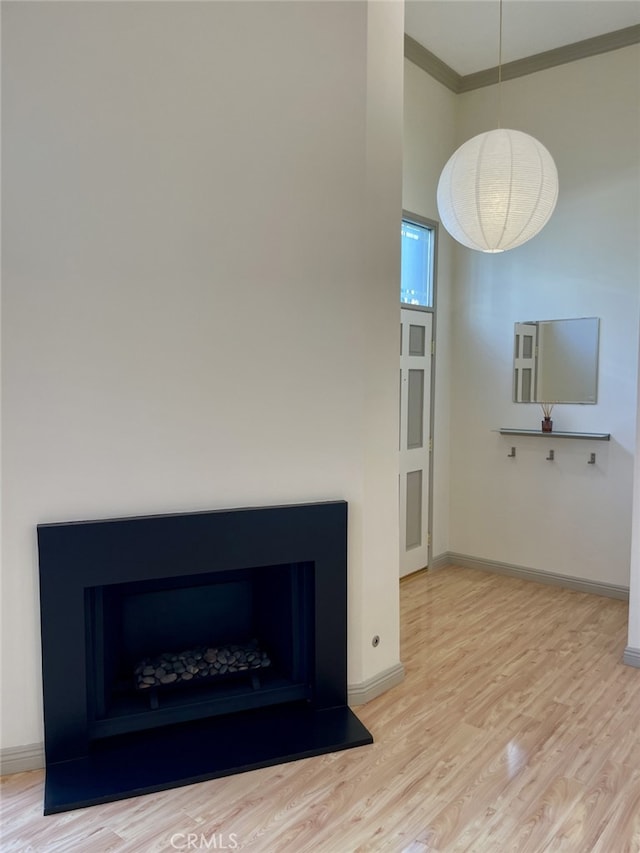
pixel 188 316
pixel 429 140
pixel 374 590
pixel 634 580
pixel 566 517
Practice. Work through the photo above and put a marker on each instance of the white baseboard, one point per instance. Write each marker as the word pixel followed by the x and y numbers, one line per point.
pixel 631 656
pixel 609 590
pixel 17 759
pixel 367 690
pixel 440 562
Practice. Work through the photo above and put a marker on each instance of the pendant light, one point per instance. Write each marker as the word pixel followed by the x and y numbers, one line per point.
pixel 499 189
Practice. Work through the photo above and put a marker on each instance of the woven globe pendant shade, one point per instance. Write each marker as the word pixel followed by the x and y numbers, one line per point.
pixel 497 191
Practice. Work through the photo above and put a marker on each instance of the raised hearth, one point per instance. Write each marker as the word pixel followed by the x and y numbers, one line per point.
pixel 236 618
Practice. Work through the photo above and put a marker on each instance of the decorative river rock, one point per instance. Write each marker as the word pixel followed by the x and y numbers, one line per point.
pixel 199 664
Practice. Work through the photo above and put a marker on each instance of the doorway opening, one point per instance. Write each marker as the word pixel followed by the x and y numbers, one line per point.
pixel 417 350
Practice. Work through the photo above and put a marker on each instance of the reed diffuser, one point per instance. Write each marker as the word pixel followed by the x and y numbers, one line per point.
pixel 547 423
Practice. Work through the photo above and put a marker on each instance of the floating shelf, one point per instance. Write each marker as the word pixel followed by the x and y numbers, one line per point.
pixel 594 436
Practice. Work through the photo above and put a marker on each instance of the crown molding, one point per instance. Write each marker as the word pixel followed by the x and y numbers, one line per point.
pixel 430 63
pixel 458 84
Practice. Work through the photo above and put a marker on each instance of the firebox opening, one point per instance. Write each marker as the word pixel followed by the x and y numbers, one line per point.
pixel 194 622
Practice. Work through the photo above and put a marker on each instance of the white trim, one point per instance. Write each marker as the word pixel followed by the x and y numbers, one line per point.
pixel 365 691
pixel 439 562
pixel 457 83
pixel 608 590
pixel 631 656
pixel 18 759
pixel 433 65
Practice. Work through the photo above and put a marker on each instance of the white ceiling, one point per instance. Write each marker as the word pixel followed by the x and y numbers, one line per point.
pixel 465 33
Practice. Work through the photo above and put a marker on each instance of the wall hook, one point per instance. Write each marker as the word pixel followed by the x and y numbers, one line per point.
pixel 551 456
pixel 512 454
pixel 592 459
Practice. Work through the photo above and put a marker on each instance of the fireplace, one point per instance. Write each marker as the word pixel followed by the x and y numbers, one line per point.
pixel 179 648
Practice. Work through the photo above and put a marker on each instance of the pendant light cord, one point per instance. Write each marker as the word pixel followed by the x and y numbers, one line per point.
pixel 500 72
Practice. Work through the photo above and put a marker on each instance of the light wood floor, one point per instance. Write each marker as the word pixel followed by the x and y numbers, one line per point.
pixel 516 729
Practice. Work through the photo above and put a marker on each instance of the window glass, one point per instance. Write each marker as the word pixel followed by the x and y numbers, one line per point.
pixel 416 269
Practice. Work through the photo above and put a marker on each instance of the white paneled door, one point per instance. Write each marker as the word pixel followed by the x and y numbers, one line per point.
pixel 525 362
pixel 415 454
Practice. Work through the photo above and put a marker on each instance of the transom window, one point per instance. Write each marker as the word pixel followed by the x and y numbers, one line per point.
pixel 416 265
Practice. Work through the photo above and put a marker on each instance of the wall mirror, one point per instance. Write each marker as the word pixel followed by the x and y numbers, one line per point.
pixel 556 361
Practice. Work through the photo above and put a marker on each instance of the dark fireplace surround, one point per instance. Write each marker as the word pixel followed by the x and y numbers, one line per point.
pixel 118 592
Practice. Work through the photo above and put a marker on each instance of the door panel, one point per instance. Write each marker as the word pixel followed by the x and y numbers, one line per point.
pixel 525 379
pixel 415 401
